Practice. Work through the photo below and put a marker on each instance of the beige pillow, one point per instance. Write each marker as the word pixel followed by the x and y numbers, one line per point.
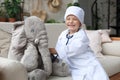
pixel 4 43
pixel 95 41
pixel 105 35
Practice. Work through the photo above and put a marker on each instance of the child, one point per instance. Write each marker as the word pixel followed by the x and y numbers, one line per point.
pixel 73 48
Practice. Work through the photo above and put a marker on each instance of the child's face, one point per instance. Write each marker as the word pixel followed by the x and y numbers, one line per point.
pixel 72 23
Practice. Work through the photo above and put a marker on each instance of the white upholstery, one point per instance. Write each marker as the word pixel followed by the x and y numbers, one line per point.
pixel 111 64
pixel 110 59
pixel 95 41
pixel 111 48
pixel 12 70
pixel 60 78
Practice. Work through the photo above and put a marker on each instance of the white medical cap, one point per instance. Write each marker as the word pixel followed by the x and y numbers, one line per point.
pixel 76 11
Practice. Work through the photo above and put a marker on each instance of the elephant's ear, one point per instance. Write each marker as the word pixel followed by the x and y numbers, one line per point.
pixel 17 24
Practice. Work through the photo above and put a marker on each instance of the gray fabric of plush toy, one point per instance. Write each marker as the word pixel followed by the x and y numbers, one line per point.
pixel 37 74
pixel 18 42
pixel 60 68
pixel 29 45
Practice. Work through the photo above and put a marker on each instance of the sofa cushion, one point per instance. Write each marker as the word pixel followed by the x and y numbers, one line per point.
pixel 105 35
pixel 97 37
pixel 95 41
pixel 59 78
pixel 111 48
pixel 4 43
pixel 111 64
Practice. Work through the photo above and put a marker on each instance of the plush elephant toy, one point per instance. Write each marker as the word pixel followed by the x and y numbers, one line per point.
pixel 29 45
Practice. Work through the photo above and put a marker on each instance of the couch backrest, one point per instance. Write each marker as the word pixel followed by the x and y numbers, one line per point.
pixel 53 30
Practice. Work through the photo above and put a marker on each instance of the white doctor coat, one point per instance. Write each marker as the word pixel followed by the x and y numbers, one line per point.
pixel 80 58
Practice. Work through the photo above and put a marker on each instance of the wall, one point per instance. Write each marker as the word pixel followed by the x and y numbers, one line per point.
pixel 86 5
pixel 30 5
pixel 50 15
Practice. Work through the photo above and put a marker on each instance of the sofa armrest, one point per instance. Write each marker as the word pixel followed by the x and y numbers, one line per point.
pixel 112 48
pixel 12 70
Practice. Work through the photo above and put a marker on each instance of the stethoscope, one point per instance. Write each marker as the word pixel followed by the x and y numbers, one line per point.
pixel 68 38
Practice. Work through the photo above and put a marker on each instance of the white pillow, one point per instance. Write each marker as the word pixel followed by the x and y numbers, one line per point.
pixel 5 39
pixel 105 35
pixel 95 41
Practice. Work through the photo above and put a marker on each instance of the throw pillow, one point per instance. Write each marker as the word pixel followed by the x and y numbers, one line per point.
pixel 105 35
pixel 5 39
pixel 95 41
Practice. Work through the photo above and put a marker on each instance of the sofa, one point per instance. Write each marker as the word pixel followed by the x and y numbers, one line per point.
pixel 106 49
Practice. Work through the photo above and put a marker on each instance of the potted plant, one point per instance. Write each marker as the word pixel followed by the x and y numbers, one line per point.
pixel 13 8
pixel 75 3
pixel 2 14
